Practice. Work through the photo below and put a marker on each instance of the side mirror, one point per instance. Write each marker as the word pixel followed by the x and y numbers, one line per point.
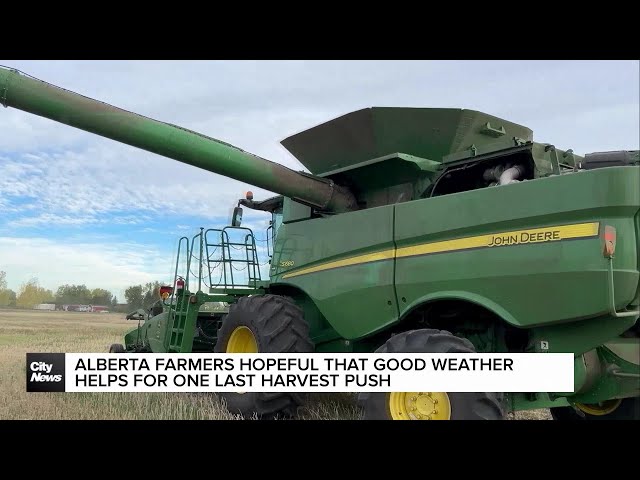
pixel 236 220
pixel 139 314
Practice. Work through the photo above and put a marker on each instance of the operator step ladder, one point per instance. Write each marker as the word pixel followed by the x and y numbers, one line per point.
pixel 245 258
pixel 218 250
pixel 178 321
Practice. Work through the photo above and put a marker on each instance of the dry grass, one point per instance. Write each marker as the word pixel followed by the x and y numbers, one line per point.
pixel 33 331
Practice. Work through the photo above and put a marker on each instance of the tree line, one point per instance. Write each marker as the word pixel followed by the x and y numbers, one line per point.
pixel 31 293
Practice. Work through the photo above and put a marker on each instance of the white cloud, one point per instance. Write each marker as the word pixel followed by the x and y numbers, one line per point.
pixel 48 219
pixel 113 266
pixel 80 187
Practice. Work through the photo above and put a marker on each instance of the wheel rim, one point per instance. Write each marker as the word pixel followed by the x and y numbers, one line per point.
pixel 602 408
pixel 242 340
pixel 419 406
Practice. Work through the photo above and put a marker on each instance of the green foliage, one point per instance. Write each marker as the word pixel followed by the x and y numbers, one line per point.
pixel 100 296
pixel 31 293
pixel 151 293
pixel 73 294
pixel 7 296
pixel 81 295
pixel 134 297
pixel 142 296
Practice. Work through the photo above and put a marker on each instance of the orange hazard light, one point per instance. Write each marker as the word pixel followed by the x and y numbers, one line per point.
pixel 165 292
pixel 609 241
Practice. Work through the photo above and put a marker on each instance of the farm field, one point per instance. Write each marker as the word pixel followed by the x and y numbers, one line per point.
pixel 23 331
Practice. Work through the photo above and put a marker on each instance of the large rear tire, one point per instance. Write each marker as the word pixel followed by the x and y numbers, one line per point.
pixel 430 405
pixel 620 409
pixel 263 324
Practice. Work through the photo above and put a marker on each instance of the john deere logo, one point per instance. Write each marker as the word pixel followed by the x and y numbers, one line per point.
pixel 45 372
pixel 524 237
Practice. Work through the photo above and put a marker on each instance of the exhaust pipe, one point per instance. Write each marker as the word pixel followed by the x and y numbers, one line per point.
pixel 498 175
pixel 510 175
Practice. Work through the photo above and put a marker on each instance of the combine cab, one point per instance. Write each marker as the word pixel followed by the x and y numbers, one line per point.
pixel 417 230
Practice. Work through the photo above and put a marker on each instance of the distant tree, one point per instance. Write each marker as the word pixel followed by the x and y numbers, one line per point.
pixel 134 296
pixel 74 295
pixel 142 296
pixel 7 298
pixel 100 296
pixel 151 293
pixel 31 294
pixel 114 301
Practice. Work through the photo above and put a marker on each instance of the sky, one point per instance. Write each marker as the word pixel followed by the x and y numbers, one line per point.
pixel 81 209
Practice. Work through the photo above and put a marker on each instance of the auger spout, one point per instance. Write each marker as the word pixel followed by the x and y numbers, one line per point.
pixel 31 95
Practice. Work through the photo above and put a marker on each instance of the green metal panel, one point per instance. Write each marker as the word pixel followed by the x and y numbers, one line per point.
pixel 527 284
pixel 524 401
pixel 294 211
pixel 580 336
pixel 612 377
pixel 136 336
pixel 375 132
pixel 354 299
pixel 619 378
pixel 387 180
pixel 627 349
pixel 536 283
pixel 157 328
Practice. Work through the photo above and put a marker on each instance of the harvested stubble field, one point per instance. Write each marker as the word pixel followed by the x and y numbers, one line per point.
pixel 23 331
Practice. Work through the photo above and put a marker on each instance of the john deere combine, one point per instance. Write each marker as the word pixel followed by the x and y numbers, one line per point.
pixel 419 230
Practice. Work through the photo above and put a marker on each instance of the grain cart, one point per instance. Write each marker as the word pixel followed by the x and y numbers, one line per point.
pixel 418 230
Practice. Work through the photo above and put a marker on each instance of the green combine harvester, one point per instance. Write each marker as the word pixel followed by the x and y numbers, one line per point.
pixel 420 230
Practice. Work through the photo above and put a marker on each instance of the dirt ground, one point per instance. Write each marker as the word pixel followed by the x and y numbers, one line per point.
pixel 23 331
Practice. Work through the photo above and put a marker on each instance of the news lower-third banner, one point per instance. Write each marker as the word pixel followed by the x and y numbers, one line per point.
pixel 311 372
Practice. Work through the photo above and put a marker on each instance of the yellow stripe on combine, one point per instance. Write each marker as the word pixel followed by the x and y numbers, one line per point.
pixel 503 239
pixel 369 257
